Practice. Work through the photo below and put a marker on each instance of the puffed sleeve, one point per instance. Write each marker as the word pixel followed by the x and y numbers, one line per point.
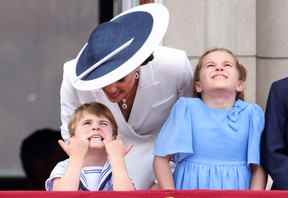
pixel 57 172
pixel 256 125
pixel 176 134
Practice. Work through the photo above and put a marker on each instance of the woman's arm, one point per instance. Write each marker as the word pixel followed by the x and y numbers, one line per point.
pixel 163 172
pixel 69 100
pixel 259 178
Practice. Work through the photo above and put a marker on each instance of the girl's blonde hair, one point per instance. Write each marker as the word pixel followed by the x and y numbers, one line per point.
pixel 241 70
pixel 93 108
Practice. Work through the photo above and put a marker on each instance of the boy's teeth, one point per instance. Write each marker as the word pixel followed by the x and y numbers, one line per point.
pixel 96 138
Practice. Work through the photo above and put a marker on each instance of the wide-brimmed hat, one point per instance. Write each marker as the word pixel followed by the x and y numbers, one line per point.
pixel 116 48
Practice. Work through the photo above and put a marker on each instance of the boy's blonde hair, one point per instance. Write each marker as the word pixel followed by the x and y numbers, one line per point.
pixel 241 70
pixel 93 108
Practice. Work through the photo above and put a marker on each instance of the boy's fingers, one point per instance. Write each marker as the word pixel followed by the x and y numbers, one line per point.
pixel 127 149
pixel 106 137
pixel 105 141
pixel 63 146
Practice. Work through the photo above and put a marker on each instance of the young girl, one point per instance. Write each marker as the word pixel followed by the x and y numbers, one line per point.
pixel 94 154
pixel 213 138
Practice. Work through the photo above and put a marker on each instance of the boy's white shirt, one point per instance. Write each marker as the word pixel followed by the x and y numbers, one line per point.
pixel 104 181
pixel 92 175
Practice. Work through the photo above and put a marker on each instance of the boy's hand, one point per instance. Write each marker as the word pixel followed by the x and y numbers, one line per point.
pixel 116 148
pixel 75 147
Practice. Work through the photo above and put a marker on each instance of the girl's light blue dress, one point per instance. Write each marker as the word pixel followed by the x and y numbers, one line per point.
pixel 212 148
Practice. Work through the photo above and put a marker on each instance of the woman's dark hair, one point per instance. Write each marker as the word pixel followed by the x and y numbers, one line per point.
pixel 150 58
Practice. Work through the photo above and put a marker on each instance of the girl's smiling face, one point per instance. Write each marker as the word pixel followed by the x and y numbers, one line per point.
pixel 219 72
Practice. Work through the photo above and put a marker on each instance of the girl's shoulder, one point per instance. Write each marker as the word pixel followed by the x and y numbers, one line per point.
pixel 187 106
pixel 250 107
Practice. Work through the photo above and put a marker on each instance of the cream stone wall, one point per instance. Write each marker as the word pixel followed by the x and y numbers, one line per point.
pixel 37 37
pixel 272 45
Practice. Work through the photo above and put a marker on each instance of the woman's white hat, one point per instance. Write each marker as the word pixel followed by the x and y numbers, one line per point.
pixel 116 48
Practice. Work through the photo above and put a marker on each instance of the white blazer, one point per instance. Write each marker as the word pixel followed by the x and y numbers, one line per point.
pixel 161 83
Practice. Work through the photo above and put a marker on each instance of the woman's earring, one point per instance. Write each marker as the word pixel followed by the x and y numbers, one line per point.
pixel 137 75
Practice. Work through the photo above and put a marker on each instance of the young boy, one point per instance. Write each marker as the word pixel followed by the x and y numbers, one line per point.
pixel 94 154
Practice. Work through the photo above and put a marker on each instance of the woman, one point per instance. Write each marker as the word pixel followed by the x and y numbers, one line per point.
pixel 116 68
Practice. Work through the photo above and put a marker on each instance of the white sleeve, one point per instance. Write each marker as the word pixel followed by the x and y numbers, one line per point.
pixel 57 172
pixel 68 99
pixel 185 77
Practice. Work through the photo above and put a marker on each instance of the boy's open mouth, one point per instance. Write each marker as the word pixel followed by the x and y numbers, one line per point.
pixel 96 138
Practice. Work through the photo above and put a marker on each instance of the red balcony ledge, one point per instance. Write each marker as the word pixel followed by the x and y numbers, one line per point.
pixel 147 194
